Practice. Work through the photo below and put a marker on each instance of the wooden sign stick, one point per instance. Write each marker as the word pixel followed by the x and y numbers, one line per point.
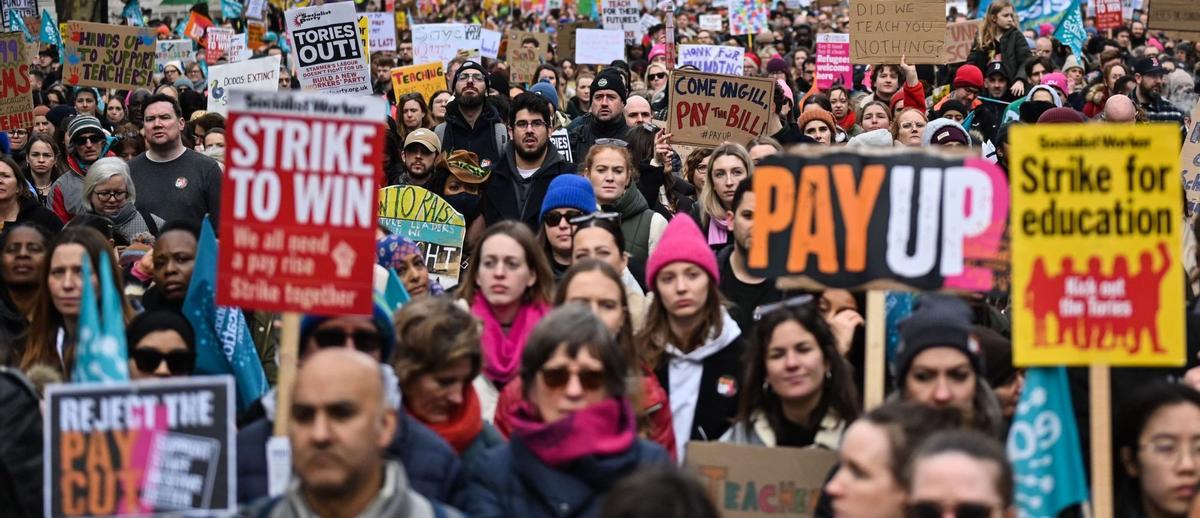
pixel 1101 412
pixel 876 354
pixel 289 350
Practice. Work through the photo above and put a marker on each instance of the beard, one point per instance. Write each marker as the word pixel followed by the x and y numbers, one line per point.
pixel 470 101
pixel 531 155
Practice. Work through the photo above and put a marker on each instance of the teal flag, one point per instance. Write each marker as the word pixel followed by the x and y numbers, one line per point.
pixel 223 343
pixel 18 24
pixel 50 34
pixel 133 14
pixel 394 294
pixel 1043 446
pixel 101 355
pixel 231 9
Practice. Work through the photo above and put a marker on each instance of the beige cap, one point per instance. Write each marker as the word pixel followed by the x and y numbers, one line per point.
pixel 426 138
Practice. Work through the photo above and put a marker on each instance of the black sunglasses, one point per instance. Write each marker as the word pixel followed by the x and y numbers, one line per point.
pixel 552 219
pixel 365 341
pixel 935 510
pixel 89 139
pixel 655 77
pixel 178 362
pixel 558 377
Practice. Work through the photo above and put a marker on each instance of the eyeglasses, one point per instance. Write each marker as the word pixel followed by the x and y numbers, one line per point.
pixel 656 77
pixel 20 132
pixel 611 142
pixel 112 195
pixel 535 124
pixel 87 139
pixel 793 302
pixel 365 341
pixel 178 362
pixel 558 377
pixel 1171 451
pixel 478 78
pixel 911 125
pixel 599 216
pixel 552 219
pixel 935 510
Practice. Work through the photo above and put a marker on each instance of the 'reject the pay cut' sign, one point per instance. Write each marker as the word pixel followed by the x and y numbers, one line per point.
pixel 298 230
pixel 1096 243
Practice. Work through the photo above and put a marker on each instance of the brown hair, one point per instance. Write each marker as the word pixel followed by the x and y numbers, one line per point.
pixel 990 31
pixel 433 333
pixel 543 287
pixel 652 340
pixel 625 336
pixel 896 120
pixel 697 157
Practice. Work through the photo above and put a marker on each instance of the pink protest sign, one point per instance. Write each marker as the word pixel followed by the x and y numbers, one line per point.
pixel 833 60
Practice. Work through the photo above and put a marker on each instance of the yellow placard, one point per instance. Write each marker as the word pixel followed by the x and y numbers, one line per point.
pixel 426 79
pixel 1096 239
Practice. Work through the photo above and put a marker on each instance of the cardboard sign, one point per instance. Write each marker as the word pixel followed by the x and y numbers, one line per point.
pixel 714 59
pixel 297 220
pixel 166 51
pixel 329 54
pixel 154 446
pixel 1189 161
pixel 599 46
pixel 523 61
pixel 16 105
pixel 1096 245
pixel 561 140
pixel 425 79
pixel 22 10
pixel 427 219
pixel 254 34
pixel 1108 15
pixel 261 75
pixel 108 56
pixel 753 481
pixel 1174 15
pixel 382 32
pixel 442 41
pixel 709 109
pixel 219 39
pixel 833 60
pixel 960 36
pixel 565 37
pixel 881 31
pixel 927 221
pixel 623 15
pixel 747 16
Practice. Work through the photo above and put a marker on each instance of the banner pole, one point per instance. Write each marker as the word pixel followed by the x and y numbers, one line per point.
pixel 288 352
pixel 876 353
pixel 1101 411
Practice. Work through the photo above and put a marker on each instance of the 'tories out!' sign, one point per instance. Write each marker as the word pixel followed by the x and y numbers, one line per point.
pixel 298 219
pixel 844 220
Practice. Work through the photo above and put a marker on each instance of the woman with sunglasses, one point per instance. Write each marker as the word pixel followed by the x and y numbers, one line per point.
pixel 611 170
pixel 574 435
pixel 797 389
pixel 656 77
pixel 567 198
pixel 964 473
pixel 161 345
pixel 508 286
pixel 728 165
pixel 1157 440
pixel 108 191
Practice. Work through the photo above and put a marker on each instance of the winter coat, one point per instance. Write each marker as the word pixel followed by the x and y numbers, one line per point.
pixel 1013 51
pixel 758 432
pixel 486 139
pixel 395 498
pixel 20 447
pixel 641 226
pixel 509 196
pixel 585 130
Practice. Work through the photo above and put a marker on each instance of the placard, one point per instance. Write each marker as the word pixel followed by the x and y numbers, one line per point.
pixel 927 221
pixel 881 31
pixel 425 79
pixel 166 51
pixel 16 105
pixel 753 481
pixel 623 15
pixel 489 43
pixel 747 16
pixel 1096 241
pixel 833 61
pixel 442 41
pixel 566 36
pixel 329 54
pixel 382 32
pixel 427 219
pixel 523 62
pixel 261 75
pixel 599 46
pixel 298 216
pixel 1175 15
pixel 239 48
pixel 22 9
pixel 960 36
pixel 218 40
pixel 1108 15
pixel 561 140
pixel 714 59
pixel 711 22
pixel 154 446
pixel 108 56
pixel 1189 161
pixel 710 109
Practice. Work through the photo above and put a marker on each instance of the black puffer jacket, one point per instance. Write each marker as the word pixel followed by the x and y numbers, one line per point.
pixel 20 446
pixel 485 139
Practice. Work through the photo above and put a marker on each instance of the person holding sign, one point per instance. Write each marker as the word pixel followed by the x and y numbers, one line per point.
pixel 1001 40
pixel 1158 440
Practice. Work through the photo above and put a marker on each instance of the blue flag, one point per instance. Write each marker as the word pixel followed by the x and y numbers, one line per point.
pixel 133 14
pixel 1043 445
pixel 17 24
pixel 1062 14
pixel 101 355
pixel 231 9
pixel 223 343
pixel 50 34
pixel 394 294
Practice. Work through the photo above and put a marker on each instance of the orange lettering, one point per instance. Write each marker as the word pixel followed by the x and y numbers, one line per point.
pixel 714 474
pixel 857 206
pixel 102 484
pixel 774 194
pixel 813 232
pixel 70 449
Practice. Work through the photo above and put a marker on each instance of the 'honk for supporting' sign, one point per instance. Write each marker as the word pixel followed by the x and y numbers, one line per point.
pixel 714 59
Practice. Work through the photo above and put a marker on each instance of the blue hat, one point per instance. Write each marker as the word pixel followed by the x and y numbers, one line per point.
pixel 545 89
pixel 569 190
pixel 380 316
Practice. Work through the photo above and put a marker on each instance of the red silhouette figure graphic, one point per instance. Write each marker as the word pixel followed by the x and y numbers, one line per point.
pixel 1041 302
pixel 1118 328
pixel 1144 296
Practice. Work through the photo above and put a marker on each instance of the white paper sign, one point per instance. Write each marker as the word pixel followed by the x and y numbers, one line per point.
pixel 381 32
pixel 648 21
pixel 599 46
pixel 166 51
pixel 329 53
pixel 710 22
pixel 717 59
pixel 489 43
pixel 442 41
pixel 624 15
pixel 239 48
pixel 260 74
pixel 254 9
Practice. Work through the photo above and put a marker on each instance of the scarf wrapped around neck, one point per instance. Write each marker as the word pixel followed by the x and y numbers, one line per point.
pixel 718 231
pixel 502 352
pixel 461 428
pixel 605 428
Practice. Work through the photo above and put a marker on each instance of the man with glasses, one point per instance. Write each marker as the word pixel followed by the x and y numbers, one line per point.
pixel 607 116
pixel 87 142
pixel 519 183
pixel 471 123
pixel 174 182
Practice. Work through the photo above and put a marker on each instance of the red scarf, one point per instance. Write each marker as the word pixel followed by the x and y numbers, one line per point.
pixel 502 352
pixel 847 122
pixel 463 426
pixel 605 428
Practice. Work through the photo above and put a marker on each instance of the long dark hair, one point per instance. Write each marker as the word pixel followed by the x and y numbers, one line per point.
pixel 543 288
pixel 1137 409
pixel 838 392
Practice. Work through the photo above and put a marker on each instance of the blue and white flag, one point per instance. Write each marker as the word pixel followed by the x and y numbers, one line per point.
pixel 394 294
pixel 17 23
pixel 223 343
pixel 50 34
pixel 133 14
pixel 1043 446
pixel 101 355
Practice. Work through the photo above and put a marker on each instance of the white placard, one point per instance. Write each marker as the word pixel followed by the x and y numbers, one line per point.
pixel 381 32
pixel 716 59
pixel 489 43
pixel 442 41
pixel 624 15
pixel 328 50
pixel 710 22
pixel 260 74
pixel 599 46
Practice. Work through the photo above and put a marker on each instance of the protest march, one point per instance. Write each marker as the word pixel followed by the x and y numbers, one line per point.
pixel 493 258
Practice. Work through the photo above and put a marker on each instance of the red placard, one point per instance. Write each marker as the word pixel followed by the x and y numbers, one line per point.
pixel 299 204
pixel 1108 14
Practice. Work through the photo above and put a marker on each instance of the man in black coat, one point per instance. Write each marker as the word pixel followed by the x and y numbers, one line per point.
pixel 606 119
pixel 471 123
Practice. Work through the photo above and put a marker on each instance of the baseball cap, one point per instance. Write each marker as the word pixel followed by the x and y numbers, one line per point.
pixel 1149 66
pixel 424 137
pixel 996 67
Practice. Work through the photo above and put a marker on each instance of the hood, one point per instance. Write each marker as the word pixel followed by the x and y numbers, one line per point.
pixel 881 137
pixel 455 117
pixel 1053 93
pixel 936 124
pixel 729 332
pixel 631 203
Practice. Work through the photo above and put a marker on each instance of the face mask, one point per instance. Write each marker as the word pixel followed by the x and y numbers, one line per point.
pixel 466 203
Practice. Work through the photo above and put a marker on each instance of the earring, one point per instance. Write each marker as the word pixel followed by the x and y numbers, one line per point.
pixel 829 374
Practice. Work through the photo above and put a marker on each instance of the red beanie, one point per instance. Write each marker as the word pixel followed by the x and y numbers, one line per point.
pixel 1058 115
pixel 968 75
pixel 754 57
pixel 896 97
pixel 681 242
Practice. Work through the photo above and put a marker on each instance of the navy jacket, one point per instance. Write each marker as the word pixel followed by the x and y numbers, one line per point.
pixel 432 466
pixel 509 481
pixel 508 196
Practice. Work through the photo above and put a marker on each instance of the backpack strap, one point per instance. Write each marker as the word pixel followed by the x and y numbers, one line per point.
pixel 501 137
pixel 150 223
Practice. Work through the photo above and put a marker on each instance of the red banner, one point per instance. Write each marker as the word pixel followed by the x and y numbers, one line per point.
pixel 1108 14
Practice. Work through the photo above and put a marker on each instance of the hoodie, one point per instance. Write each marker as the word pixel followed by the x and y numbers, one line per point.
pixel 456 133
pixel 641 226
pixel 703 385
pixel 936 124
pixel 509 196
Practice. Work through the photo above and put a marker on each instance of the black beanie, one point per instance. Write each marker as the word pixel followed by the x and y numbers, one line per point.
pixel 936 321
pixel 469 65
pixel 997 353
pixel 159 320
pixel 610 79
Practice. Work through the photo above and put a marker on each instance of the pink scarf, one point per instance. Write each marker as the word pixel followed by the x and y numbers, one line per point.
pixel 718 231
pixel 605 428
pixel 502 352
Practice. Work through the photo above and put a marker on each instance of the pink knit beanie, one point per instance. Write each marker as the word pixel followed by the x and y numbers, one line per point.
pixel 682 241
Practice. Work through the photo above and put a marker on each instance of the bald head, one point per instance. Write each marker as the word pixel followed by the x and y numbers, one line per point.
pixel 1119 108
pixel 637 110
